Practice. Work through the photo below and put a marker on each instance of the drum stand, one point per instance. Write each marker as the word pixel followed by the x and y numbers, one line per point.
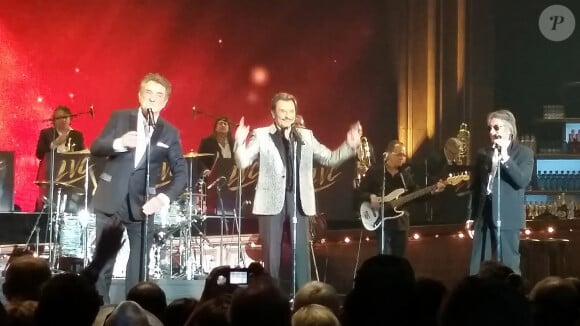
pixel 85 225
pixel 188 256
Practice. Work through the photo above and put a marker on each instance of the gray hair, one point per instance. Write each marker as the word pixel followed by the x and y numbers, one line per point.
pixel 508 118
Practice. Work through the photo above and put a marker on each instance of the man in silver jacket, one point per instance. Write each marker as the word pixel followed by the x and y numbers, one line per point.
pixel 279 148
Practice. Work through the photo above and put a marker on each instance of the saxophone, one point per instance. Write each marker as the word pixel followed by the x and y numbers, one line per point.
pixel 363 163
pixel 464 137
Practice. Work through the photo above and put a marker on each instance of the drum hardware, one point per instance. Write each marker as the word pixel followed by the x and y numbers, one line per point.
pixel 68 236
pixel 192 154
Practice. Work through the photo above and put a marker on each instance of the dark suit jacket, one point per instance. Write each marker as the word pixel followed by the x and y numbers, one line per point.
pixel 515 174
pixel 49 134
pixel 210 145
pixel 120 180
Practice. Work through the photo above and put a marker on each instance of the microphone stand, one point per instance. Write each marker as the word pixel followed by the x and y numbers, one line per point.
pixel 294 147
pixel 383 208
pixel 52 215
pixel 498 221
pixel 144 224
pixel 238 218
pixel 222 220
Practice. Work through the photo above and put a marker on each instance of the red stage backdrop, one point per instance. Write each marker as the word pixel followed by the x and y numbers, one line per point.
pixel 223 57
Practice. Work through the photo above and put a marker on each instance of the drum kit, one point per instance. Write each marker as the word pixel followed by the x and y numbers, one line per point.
pixel 73 228
pixel 182 216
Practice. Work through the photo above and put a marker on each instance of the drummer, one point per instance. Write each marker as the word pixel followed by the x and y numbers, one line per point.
pixel 60 137
pixel 220 143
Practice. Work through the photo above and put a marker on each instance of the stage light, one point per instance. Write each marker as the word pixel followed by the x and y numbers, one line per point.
pixel 39 99
pixel 527 232
pixel 77 70
pixel 71 95
pixel 323 241
pixel 367 239
pixel 416 236
pixel 551 229
pixel 460 235
pixel 259 75
pixel 346 240
pixel 437 236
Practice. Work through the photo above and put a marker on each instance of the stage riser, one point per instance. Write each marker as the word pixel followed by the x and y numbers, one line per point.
pixel 440 252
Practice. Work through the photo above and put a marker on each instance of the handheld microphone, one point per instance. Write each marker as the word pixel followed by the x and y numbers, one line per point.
pixel 150 117
pixel 385 156
pixel 211 185
pixel 295 134
pixel 92 112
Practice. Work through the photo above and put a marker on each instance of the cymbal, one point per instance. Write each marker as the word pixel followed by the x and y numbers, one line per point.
pixel 85 151
pixel 193 154
pixel 63 185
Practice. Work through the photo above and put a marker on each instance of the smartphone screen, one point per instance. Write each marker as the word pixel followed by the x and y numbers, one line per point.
pixel 239 277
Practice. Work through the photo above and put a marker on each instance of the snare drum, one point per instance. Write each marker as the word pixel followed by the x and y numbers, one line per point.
pixel 72 233
pixel 169 217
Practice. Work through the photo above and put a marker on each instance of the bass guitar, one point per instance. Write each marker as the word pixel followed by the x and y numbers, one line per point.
pixel 371 217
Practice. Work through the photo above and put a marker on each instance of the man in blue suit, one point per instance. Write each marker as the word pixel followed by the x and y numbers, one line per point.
pixel 500 176
pixel 121 191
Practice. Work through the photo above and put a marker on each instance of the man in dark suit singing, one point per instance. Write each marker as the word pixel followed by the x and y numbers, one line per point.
pixel 499 178
pixel 121 189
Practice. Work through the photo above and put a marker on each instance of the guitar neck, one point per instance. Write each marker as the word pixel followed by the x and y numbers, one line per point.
pixel 412 196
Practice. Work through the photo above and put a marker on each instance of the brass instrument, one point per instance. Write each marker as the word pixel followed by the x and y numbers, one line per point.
pixel 363 163
pixel 464 137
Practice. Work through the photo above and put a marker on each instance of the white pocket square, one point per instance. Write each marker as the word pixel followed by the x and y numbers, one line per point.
pixel 160 144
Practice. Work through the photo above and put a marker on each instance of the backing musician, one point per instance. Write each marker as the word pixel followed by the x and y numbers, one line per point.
pixel 60 137
pixel 220 142
pixel 370 189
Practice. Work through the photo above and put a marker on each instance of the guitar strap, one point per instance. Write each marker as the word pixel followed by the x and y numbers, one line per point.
pixel 403 180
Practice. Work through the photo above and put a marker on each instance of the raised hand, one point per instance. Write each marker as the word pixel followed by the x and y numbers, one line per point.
pixel 353 135
pixel 242 132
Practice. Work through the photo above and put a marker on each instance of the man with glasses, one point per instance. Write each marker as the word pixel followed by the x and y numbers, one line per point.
pixel 499 178
pixel 395 177
pixel 62 138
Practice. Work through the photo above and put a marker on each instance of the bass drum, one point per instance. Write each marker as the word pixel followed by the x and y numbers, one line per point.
pixel 77 235
pixel 169 217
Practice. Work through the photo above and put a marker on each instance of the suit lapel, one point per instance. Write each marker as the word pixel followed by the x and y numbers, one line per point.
pixel 159 126
pixel 277 140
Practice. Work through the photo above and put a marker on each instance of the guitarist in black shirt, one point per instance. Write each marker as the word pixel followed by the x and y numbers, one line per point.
pixel 370 190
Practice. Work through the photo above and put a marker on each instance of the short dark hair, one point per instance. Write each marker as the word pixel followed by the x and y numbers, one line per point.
pixel 392 144
pixel 62 108
pixel 282 96
pixel 158 79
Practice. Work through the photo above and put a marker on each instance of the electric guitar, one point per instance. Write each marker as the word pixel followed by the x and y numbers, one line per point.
pixel 371 217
